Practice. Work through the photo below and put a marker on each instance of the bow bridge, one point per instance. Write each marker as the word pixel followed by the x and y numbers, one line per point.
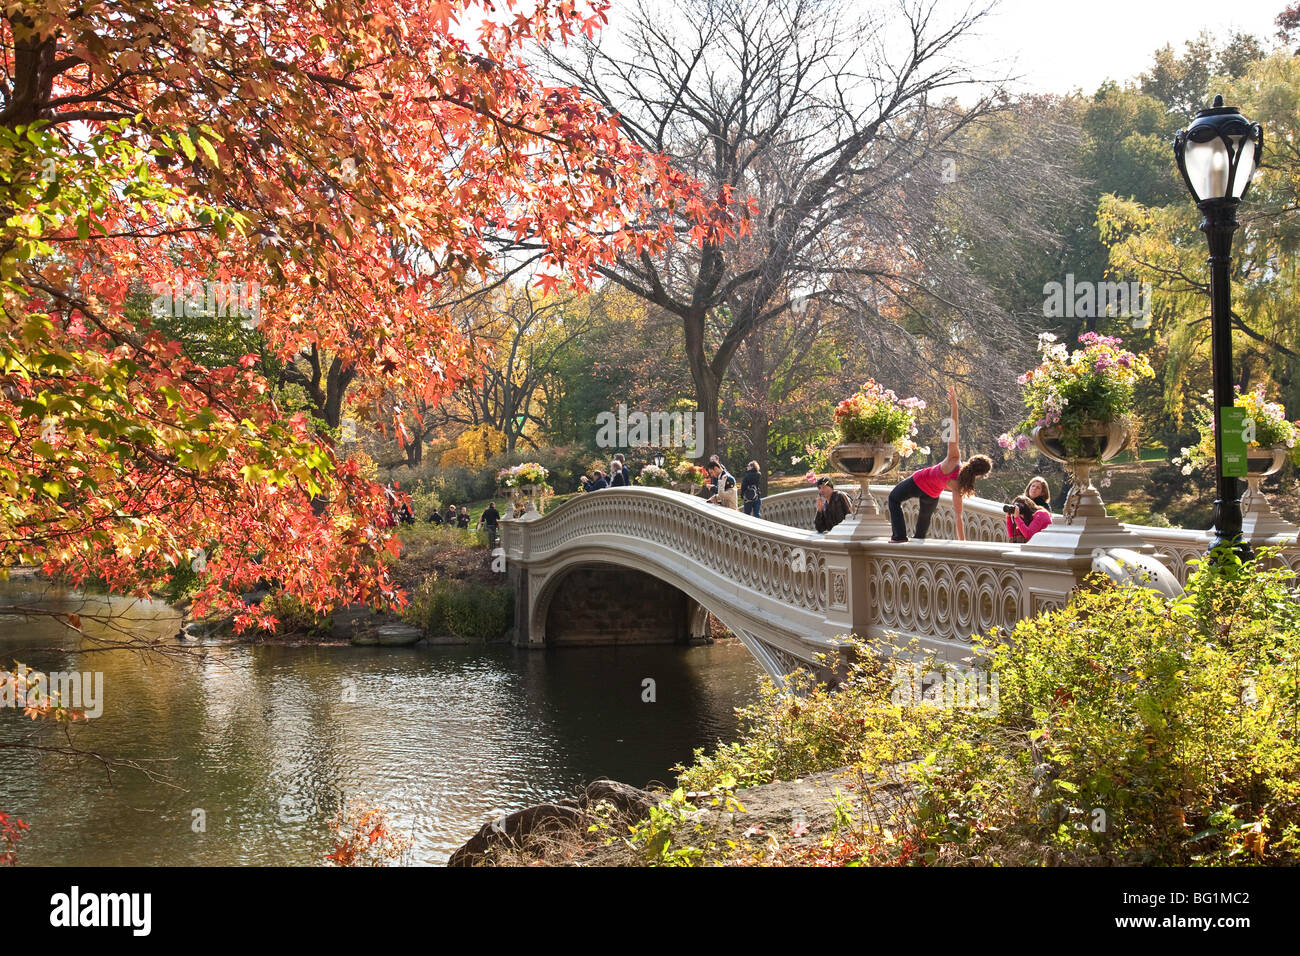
pixel 642 565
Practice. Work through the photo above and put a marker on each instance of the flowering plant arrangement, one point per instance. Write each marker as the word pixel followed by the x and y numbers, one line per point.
pixel 528 473
pixel 686 471
pixel 1072 390
pixel 877 416
pixel 652 476
pixel 1265 420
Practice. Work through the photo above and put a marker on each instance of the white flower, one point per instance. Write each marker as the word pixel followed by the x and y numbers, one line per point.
pixel 1187 469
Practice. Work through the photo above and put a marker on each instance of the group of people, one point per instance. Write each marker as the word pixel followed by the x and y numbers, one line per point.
pixel 399 512
pixel 721 488
pixel 490 519
pixel 453 519
pixel 1027 514
pixel 619 476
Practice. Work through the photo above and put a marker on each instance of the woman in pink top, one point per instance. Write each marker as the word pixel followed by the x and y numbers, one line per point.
pixel 1019 529
pixel 951 474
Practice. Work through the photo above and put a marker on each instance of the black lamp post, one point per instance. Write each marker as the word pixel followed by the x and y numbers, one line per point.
pixel 1217 155
pixel 659 459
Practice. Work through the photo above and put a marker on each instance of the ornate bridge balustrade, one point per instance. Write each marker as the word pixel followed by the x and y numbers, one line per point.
pixel 787 593
pixel 985 521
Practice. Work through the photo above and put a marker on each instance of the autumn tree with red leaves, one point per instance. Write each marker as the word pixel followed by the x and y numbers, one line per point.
pixel 352 161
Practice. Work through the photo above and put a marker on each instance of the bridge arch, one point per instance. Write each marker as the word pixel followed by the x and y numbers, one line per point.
pixel 777 648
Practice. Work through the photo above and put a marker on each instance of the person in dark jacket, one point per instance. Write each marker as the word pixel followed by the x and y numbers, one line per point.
pixel 436 517
pixel 751 498
pixel 451 516
pixel 462 519
pixel 832 506
pixel 597 481
pixel 489 519
pixel 621 465
pixel 617 479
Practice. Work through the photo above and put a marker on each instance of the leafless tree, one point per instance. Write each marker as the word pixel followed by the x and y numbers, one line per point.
pixel 828 115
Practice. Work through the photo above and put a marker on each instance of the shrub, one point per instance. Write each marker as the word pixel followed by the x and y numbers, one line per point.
pixel 1128 730
pixel 295 617
pixel 478 613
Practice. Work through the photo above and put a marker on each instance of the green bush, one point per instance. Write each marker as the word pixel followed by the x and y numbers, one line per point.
pixel 478 613
pixel 1128 730
pixel 294 617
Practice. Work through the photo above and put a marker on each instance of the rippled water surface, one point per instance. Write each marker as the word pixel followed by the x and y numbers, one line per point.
pixel 269 741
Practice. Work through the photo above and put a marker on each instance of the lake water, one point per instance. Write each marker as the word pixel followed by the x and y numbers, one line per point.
pixel 269 741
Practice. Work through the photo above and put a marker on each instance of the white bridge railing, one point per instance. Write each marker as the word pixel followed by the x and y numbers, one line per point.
pixel 788 592
pixel 985 521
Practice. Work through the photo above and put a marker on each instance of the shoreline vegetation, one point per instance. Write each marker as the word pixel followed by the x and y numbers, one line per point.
pixel 1126 730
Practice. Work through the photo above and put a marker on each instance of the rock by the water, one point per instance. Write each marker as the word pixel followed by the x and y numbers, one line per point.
pixel 514 830
pixel 398 635
pixel 350 621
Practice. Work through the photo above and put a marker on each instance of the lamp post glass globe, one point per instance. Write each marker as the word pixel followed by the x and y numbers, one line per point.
pixel 1217 155
pixel 659 459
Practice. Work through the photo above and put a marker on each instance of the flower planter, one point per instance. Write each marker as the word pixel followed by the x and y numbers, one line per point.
pixel 1100 441
pixel 532 497
pixel 864 461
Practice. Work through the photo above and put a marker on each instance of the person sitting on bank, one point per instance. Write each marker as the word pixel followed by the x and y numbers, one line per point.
pixel 832 506
pixel 436 517
pixel 724 485
pixel 1026 519
pixel 951 474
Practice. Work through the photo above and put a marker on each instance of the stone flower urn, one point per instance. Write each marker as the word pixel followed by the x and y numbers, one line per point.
pixel 531 497
pixel 865 461
pixel 1258 519
pixel 1086 536
pixel 1100 442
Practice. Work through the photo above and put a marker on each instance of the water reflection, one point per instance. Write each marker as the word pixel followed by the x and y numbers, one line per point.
pixel 268 741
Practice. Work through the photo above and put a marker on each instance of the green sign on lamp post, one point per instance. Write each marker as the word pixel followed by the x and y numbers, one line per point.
pixel 1232 442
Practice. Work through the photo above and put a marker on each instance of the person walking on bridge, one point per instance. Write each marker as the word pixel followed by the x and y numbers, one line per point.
pixel 750 489
pixel 724 486
pixel 951 474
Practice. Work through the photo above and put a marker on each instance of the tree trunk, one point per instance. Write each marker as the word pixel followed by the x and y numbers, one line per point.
pixel 707 383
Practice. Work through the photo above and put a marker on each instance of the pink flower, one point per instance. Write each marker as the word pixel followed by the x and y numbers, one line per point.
pixel 1022 442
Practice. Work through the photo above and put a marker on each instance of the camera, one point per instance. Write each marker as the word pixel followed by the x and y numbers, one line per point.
pixel 1009 509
